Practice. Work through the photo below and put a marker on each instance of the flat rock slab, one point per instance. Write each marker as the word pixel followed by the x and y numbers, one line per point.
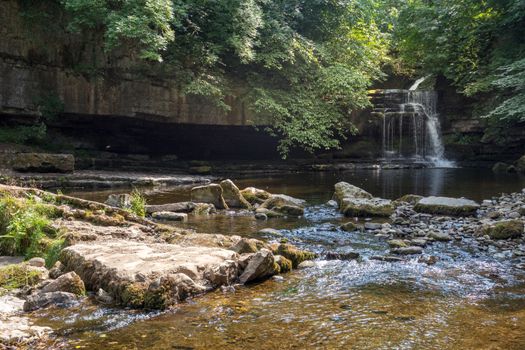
pixel 447 206
pixel 134 272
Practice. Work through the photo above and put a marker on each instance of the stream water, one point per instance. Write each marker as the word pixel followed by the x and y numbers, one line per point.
pixel 468 300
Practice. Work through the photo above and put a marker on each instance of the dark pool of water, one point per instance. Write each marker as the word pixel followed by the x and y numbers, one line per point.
pixel 469 300
pixel 477 184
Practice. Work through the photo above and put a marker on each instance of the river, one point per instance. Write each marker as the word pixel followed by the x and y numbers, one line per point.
pixel 470 299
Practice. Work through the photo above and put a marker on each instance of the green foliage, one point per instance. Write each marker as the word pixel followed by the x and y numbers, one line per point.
pixel 23 134
pixel 140 25
pixel 301 66
pixel 50 106
pixel 17 276
pixel 25 228
pixel 481 48
pixel 138 203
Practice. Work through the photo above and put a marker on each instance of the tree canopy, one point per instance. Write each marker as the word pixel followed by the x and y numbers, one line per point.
pixel 303 65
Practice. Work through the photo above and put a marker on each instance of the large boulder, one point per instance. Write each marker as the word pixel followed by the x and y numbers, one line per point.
pixel 354 201
pixel 209 194
pixel 346 190
pixel 447 206
pixel 283 204
pixel 69 282
pixel 254 195
pixel 262 265
pixel 504 229
pixel 43 162
pixel 139 274
pixel 232 195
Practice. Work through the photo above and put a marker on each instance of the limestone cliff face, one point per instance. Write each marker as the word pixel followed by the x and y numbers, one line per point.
pixel 36 63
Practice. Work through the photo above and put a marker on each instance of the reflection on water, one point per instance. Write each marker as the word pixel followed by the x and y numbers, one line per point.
pixel 477 184
pixel 468 300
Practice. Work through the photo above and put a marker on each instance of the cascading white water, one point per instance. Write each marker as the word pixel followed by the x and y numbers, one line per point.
pixel 420 139
pixel 424 104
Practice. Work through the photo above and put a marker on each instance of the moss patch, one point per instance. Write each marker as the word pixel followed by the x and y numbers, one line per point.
pixel 133 295
pixel 504 229
pixel 18 276
pixel 409 198
pixel 295 255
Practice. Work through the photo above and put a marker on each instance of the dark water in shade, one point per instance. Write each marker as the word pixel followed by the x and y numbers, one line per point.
pixel 470 299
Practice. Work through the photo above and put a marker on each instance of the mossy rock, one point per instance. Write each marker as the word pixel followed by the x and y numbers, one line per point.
pixel 409 198
pixel 504 229
pixel 254 195
pixel 365 210
pixel 284 264
pixel 295 255
pixel 133 295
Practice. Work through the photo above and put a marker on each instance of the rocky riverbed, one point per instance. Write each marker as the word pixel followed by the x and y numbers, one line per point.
pixel 136 262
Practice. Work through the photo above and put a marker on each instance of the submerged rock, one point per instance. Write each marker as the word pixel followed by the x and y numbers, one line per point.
pixel 447 206
pixel 504 229
pixel 350 227
pixel 232 195
pixel 407 250
pixel 341 255
pixel 397 243
pixel 209 194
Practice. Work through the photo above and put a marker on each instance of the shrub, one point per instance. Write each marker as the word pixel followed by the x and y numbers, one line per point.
pixel 138 203
pixel 25 229
pixel 17 276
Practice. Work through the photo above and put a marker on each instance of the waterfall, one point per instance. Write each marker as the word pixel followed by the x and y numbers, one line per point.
pixel 417 83
pixel 411 126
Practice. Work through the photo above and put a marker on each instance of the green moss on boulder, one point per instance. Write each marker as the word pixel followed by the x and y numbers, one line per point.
pixel 409 198
pixel 133 295
pixel 504 229
pixel 295 255
pixel 284 264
